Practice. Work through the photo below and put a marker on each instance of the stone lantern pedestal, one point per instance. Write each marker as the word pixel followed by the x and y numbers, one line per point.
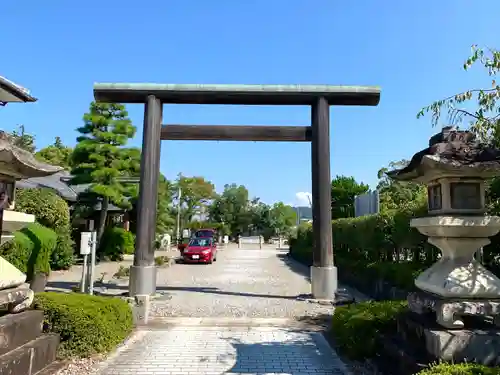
pixel 457 284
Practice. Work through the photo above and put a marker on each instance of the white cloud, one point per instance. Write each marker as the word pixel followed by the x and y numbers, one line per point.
pixel 303 198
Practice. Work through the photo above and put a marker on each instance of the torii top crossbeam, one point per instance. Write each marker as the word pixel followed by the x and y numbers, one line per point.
pixel 237 94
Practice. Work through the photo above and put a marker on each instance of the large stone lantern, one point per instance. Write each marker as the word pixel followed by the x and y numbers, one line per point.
pixel 454 167
pixel 16 164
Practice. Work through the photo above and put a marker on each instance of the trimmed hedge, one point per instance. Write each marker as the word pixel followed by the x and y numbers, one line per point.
pixel 115 242
pixel 44 242
pixel 355 327
pixel 381 247
pixel 18 251
pixel 31 249
pixel 87 325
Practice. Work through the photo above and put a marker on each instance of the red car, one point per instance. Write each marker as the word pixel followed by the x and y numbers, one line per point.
pixel 200 250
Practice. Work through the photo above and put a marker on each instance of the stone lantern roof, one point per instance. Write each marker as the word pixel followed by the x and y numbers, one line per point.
pixel 451 153
pixel 16 163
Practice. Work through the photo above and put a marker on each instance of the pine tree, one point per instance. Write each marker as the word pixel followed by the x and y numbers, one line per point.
pixel 23 140
pixel 100 157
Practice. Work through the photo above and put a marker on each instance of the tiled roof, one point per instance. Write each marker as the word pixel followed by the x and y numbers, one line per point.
pixel 52 182
pixel 63 189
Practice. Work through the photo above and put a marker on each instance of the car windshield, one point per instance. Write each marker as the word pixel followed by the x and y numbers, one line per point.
pixel 200 242
pixel 204 233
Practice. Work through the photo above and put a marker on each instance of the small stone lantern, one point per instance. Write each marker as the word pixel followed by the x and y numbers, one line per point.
pixel 454 167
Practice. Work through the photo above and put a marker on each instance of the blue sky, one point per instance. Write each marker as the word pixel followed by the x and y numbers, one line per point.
pixel 413 50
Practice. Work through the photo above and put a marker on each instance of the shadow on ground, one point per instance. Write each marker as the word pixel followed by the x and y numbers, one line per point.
pixel 295 266
pixel 345 294
pixel 282 357
pixel 106 288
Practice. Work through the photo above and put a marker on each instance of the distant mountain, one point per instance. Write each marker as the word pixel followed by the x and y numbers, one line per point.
pixel 304 212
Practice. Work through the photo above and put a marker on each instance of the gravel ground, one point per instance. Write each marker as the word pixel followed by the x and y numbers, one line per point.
pixel 242 283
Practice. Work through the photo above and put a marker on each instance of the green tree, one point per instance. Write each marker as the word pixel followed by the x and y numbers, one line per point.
pixel 196 193
pixel 396 195
pixel 100 157
pixel 232 209
pixel 283 218
pixel 260 216
pixel 344 190
pixel 165 217
pixel 56 154
pixel 484 118
pixel 23 140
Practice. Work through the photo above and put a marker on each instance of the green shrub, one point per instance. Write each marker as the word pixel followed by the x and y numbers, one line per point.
pixel 30 249
pixel 460 369
pixel 115 242
pixel 49 209
pixel 18 251
pixel 62 258
pixel 87 325
pixel 44 242
pixel 355 328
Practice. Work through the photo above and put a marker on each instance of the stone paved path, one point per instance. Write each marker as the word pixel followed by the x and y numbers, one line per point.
pixel 197 351
pixel 247 285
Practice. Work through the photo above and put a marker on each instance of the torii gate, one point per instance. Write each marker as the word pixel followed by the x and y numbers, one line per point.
pixel 319 97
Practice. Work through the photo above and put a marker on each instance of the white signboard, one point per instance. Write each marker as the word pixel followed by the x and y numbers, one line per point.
pixel 85 243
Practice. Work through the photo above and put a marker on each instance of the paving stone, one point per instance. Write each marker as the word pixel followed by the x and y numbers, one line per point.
pixel 200 351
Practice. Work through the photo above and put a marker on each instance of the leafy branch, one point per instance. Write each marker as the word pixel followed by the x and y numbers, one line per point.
pixel 485 119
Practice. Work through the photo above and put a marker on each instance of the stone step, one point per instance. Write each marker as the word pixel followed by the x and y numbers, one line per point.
pixel 30 358
pixel 217 323
pixel 19 329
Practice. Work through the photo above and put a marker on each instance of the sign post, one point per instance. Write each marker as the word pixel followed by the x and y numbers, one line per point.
pixel 91 263
pixel 85 250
